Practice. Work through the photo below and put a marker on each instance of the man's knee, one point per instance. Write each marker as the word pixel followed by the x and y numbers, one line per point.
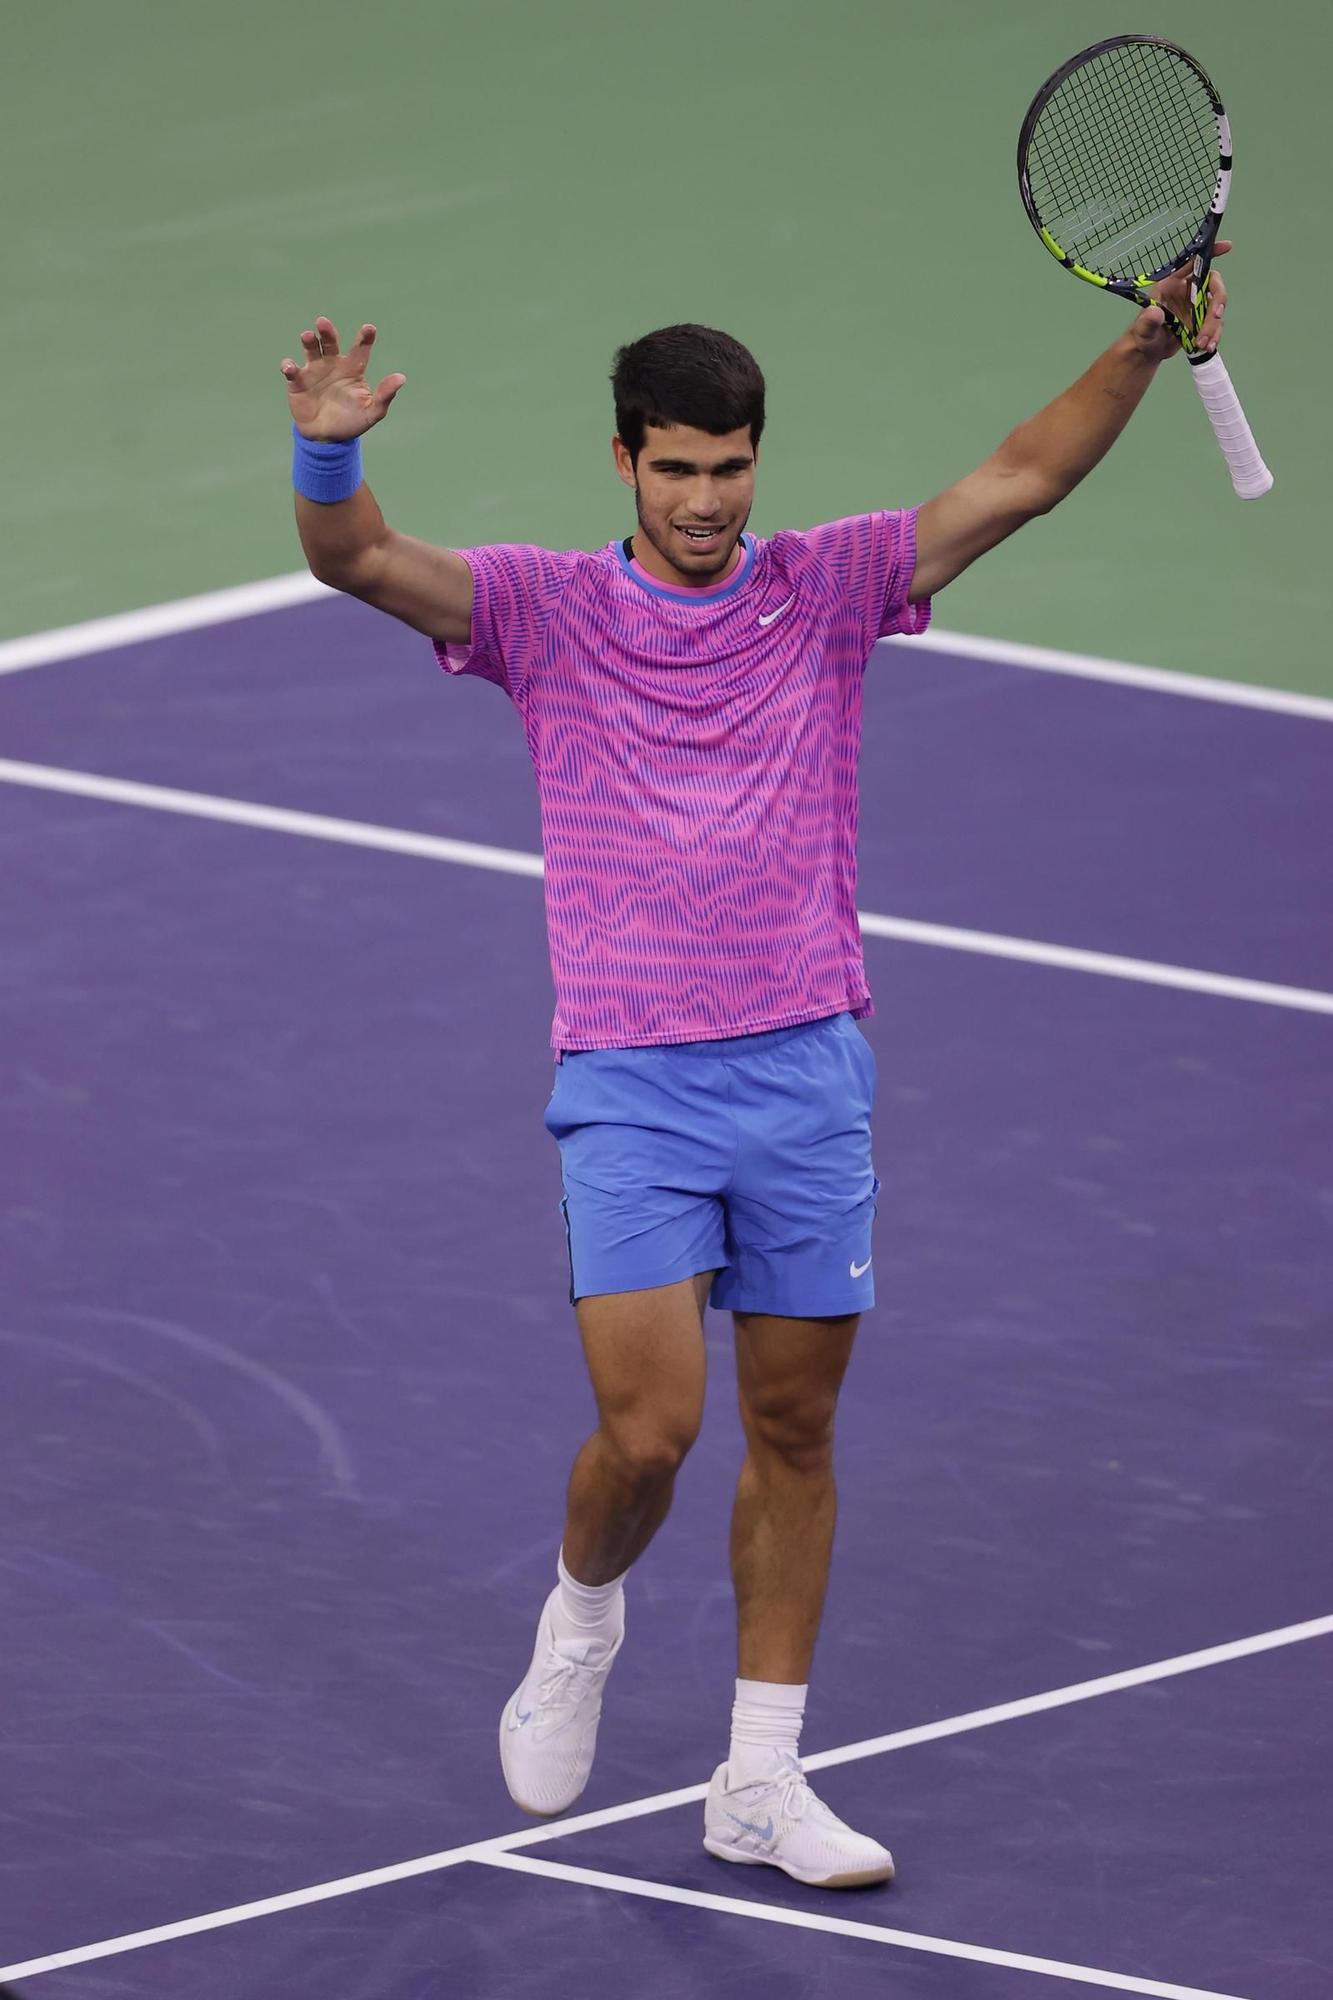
pixel 651 1446
pixel 791 1419
pixel 799 1433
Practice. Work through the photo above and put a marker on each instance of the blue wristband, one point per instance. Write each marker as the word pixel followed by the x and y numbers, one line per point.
pixel 326 472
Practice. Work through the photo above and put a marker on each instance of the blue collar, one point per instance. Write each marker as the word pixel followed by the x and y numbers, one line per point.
pixel 678 596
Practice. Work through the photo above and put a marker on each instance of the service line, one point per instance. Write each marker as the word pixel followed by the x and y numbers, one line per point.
pixel 491 1850
pixel 881 1934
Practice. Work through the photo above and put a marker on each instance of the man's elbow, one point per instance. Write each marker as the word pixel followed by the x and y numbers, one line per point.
pixel 1031 491
pixel 353 573
pixel 1046 496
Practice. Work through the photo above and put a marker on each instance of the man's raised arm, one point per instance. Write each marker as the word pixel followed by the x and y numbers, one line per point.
pixel 1042 461
pixel 346 539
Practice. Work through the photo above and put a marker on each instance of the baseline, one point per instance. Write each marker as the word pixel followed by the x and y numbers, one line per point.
pixel 1120 673
pixel 882 1934
pixel 160 621
pixel 247 600
pixel 488 1850
pixel 512 861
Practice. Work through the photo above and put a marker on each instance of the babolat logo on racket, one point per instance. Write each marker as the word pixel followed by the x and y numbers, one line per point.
pixel 1090 220
pixel 1096 230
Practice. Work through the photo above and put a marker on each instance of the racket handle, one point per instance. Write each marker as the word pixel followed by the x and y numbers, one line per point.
pixel 1249 475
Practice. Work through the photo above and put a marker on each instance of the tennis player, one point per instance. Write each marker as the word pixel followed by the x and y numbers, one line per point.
pixel 692 702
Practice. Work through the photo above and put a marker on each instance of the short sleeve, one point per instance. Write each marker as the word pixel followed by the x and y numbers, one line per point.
pixel 514 590
pixel 872 557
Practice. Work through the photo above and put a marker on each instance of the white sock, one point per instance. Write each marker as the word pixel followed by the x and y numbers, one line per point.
pixel 586 1610
pixel 766 1717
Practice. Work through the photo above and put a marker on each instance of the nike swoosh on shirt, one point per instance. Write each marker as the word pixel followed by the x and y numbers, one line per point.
pixel 773 616
pixel 859 1270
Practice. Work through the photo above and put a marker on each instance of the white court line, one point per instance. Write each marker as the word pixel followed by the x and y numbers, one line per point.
pixel 160 621
pixel 271 819
pixel 810 1920
pixel 512 861
pixel 1086 667
pixel 1035 1704
pixel 239 1913
pixel 505 1843
pixel 960 1725
pixel 247 600
pixel 1070 958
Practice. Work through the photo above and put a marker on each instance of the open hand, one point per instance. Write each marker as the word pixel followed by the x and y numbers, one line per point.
pixel 1151 328
pixel 328 393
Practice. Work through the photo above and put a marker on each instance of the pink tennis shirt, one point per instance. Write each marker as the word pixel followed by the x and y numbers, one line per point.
pixel 696 755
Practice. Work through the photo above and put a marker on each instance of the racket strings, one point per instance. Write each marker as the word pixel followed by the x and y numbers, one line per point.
pixel 1128 174
pixel 1128 151
pixel 1148 147
pixel 1123 161
pixel 1127 117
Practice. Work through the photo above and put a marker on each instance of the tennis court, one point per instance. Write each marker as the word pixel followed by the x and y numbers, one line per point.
pixel 290 1378
pixel 293 1386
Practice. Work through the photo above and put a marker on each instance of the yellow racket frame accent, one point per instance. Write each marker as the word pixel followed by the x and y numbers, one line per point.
pixel 1136 289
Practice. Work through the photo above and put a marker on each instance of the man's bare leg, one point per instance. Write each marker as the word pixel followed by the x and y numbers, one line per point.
pixel 789 1372
pixel 759 1806
pixel 645 1355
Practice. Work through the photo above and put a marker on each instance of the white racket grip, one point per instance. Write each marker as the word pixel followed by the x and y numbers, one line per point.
pixel 1249 475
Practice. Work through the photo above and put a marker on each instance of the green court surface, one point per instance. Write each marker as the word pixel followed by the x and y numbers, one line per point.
pixel 511 189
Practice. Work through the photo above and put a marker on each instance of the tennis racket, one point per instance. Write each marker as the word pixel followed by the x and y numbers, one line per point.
pixel 1124 164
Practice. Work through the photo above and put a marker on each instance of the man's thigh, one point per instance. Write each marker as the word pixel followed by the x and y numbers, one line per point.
pixel 789 1372
pixel 645 1353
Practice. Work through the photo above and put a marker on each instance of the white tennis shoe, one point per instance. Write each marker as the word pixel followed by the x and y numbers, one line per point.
pixel 548 1732
pixel 778 1820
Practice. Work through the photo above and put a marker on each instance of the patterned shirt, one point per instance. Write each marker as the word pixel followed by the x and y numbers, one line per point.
pixel 696 754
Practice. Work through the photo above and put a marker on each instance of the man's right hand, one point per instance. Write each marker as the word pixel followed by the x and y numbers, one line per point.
pixel 348 544
pixel 328 393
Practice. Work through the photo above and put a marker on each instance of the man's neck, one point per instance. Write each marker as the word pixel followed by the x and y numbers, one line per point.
pixel 651 560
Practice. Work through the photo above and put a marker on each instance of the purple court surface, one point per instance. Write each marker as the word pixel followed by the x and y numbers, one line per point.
pixel 291 1384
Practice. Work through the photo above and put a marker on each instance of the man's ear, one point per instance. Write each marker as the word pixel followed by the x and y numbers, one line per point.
pixel 623 462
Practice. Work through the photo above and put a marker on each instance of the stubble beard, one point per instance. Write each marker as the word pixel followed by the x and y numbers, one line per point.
pixel 719 566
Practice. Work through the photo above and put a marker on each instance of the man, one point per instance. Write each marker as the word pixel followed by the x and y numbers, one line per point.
pixel 692 701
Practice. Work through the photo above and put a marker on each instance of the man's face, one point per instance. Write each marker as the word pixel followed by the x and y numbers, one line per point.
pixel 685 480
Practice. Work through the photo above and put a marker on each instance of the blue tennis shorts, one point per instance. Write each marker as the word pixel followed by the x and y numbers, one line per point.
pixel 749 1157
